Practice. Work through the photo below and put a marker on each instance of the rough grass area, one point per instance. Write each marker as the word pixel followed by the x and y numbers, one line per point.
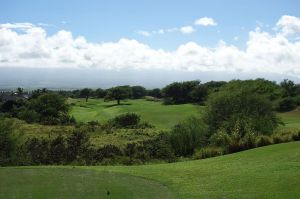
pixel 162 116
pixel 266 172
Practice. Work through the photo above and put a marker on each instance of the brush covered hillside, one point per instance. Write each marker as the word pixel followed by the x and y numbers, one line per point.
pixel 266 172
pixel 78 144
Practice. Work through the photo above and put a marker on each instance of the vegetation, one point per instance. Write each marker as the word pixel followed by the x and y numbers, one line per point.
pixel 118 93
pixel 266 172
pixel 236 116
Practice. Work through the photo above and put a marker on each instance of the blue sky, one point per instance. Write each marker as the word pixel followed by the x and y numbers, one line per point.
pixel 238 37
pixel 104 21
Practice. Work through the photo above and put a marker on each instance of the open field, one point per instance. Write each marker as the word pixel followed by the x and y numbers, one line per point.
pixel 163 117
pixel 267 172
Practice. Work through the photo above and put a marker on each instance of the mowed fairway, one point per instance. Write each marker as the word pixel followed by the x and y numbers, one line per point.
pixel 162 116
pixel 267 172
pixel 291 119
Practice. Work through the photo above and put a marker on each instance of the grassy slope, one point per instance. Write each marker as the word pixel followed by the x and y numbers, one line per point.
pixel 291 119
pixel 268 172
pixel 163 117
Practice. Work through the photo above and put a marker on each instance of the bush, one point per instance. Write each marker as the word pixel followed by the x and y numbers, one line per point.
pixel 263 141
pixel 208 152
pixel 128 120
pixel 249 141
pixel 188 135
pixel 220 139
pixel 296 136
pixel 228 107
pixel 281 138
pixel 108 152
pixel 287 104
pixel 8 141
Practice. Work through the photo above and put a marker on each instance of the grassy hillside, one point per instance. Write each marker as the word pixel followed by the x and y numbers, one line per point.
pixel 163 117
pixel 291 119
pixel 267 172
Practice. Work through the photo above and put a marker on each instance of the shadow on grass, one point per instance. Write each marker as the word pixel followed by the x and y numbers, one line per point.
pixel 121 104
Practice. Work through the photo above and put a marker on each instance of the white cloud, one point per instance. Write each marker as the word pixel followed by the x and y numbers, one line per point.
pixel 144 33
pixel 289 25
pixel 187 29
pixel 205 21
pixel 30 46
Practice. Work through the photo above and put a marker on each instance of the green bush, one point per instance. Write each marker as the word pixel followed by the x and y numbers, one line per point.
pixel 208 152
pixel 188 135
pixel 287 104
pixel 127 120
pixel 249 141
pixel 220 139
pixel 279 138
pixel 264 141
pixel 296 136
pixel 229 107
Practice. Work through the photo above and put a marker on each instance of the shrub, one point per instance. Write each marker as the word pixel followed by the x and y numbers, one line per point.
pixel 78 144
pixel 8 141
pixel 188 135
pixel 108 152
pixel 263 141
pixel 208 152
pixel 287 104
pixel 219 139
pixel 235 143
pixel 249 141
pixel 38 150
pixel 252 111
pixel 57 150
pixel 127 120
pixel 281 138
pixel 296 136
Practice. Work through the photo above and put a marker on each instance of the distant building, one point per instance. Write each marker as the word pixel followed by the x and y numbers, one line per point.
pixel 11 96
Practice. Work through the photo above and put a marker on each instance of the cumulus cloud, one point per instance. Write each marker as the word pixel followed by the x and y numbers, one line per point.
pixel 187 29
pixel 289 25
pixel 30 46
pixel 205 21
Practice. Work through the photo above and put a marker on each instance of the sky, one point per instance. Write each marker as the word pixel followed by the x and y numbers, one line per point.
pixel 235 36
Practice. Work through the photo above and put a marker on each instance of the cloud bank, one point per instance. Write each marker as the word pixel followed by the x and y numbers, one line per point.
pixel 28 45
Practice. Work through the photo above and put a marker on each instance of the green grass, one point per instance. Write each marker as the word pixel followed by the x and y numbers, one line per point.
pixel 162 116
pixel 75 183
pixel 291 119
pixel 267 172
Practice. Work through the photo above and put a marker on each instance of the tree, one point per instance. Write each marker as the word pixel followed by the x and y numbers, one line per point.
pixel 20 91
pixel 138 92
pixel 180 92
pixel 289 88
pixel 118 93
pixel 86 93
pixel 51 107
pixel 243 109
pixel 155 93
pixel 100 93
